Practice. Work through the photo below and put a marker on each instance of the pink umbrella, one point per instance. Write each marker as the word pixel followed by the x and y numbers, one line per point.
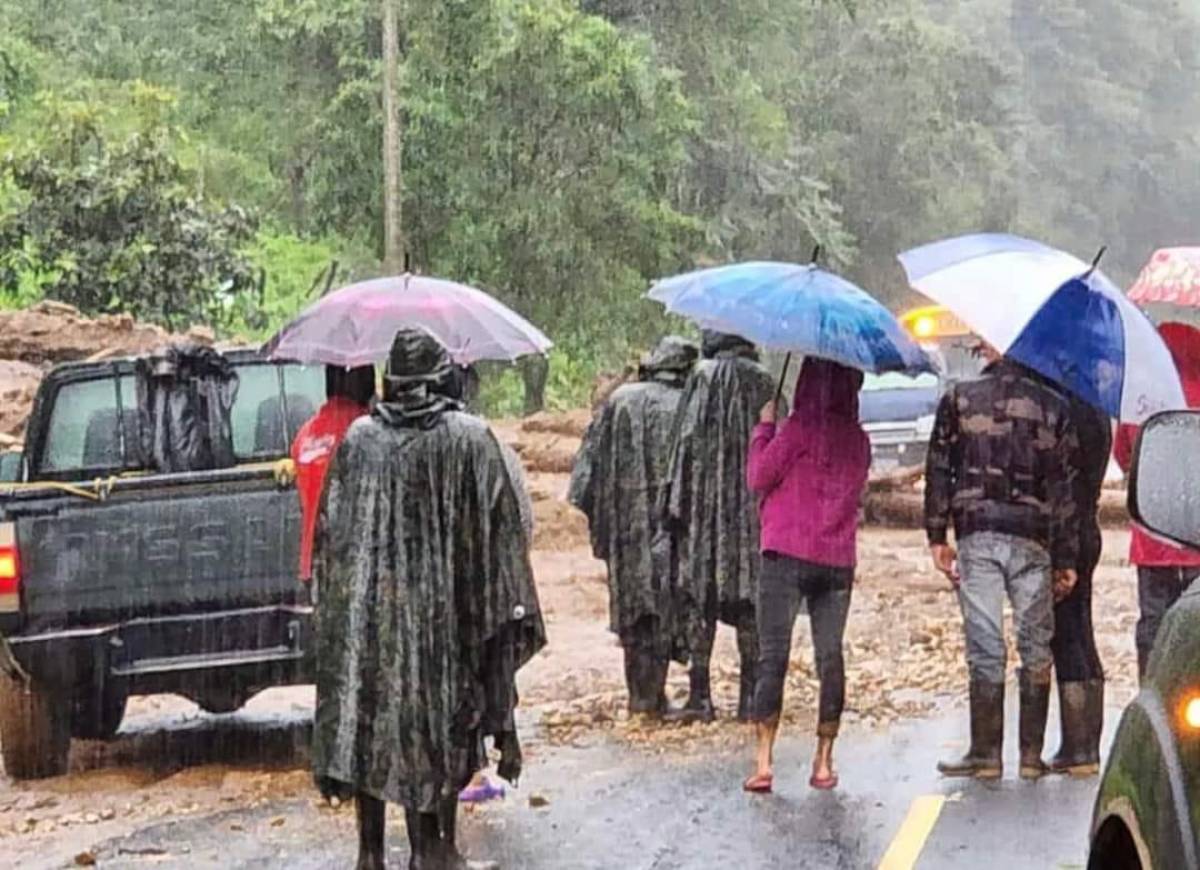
pixel 1172 276
pixel 355 325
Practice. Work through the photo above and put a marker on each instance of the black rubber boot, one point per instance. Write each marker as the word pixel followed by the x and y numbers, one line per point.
pixel 424 840
pixel 1079 752
pixel 699 706
pixel 1035 706
pixel 645 679
pixel 372 815
pixel 984 757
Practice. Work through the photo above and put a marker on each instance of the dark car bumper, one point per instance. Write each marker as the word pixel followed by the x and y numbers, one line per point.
pixel 259 646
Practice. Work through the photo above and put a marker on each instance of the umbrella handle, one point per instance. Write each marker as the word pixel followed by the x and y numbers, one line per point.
pixel 787 361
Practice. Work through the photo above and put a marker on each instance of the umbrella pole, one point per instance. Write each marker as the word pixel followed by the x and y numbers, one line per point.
pixel 787 361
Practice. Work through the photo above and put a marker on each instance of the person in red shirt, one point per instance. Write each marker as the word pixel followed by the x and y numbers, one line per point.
pixel 348 393
pixel 1164 570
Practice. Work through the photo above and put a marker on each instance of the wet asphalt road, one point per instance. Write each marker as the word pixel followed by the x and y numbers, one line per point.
pixel 610 806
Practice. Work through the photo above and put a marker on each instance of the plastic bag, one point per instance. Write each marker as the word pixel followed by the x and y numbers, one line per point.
pixel 185 401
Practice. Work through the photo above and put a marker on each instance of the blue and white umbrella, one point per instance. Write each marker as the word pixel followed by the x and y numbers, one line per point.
pixel 797 309
pixel 1057 315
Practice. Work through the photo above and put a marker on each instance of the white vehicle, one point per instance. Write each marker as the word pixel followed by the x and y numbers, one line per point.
pixel 897 413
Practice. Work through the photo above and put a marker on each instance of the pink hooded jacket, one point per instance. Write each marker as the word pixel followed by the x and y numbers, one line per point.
pixel 810 472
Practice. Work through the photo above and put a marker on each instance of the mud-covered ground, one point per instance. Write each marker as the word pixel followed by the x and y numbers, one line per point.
pixel 172 763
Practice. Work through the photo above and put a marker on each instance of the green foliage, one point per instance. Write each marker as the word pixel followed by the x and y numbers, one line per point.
pixel 564 153
pixel 110 224
pixel 292 272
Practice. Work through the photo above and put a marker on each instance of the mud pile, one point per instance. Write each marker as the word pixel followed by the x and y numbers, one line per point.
pixel 51 332
pixel 37 338
pixel 18 384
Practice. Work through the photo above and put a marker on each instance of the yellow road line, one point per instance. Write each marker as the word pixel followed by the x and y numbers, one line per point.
pixel 906 847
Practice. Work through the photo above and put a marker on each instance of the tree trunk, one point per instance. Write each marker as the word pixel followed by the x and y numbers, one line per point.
pixel 393 232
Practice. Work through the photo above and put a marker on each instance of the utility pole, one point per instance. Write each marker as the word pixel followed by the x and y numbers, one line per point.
pixel 393 143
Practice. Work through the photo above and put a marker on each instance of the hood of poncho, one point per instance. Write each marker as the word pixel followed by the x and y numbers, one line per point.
pixel 714 344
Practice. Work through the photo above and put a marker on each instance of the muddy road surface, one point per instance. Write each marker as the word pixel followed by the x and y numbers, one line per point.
pixel 181 788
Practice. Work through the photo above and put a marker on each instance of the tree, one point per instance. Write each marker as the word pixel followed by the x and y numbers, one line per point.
pixel 393 189
pixel 111 222
pixel 543 144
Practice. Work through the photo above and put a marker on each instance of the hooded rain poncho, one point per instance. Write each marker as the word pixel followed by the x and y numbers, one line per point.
pixel 618 480
pixel 428 605
pixel 707 506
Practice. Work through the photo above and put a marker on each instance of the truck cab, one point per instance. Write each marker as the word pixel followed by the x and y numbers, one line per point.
pixel 117 580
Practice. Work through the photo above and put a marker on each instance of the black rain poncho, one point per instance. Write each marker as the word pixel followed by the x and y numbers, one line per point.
pixel 427 605
pixel 617 482
pixel 708 509
pixel 185 404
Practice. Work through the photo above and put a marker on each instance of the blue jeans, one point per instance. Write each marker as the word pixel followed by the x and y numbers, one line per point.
pixel 992 566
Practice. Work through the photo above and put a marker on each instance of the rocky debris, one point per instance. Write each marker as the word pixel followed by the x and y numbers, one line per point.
pixel 557 526
pixel 18 385
pixel 572 424
pixel 52 332
pixel 553 454
pixel 48 333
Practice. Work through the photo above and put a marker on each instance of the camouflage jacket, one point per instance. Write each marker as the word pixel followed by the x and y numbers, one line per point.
pixel 1000 460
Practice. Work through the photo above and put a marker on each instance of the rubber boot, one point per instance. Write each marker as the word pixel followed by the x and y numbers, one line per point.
pixel 983 759
pixel 699 706
pixel 372 814
pixel 645 678
pixel 1035 706
pixel 1084 759
pixel 424 840
pixel 1079 752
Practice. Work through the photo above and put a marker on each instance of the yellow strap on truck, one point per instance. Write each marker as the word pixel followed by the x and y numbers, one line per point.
pixel 283 470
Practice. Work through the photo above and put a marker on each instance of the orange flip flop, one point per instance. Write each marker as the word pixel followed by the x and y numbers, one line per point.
pixel 757 784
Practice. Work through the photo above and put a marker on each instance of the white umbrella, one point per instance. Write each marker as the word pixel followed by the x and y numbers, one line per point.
pixel 1056 314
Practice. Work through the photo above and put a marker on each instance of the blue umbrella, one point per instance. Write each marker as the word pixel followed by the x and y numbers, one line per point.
pixel 1054 313
pixel 797 309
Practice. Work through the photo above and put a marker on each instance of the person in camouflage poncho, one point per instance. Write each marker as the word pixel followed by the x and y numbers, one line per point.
pixel 427 610
pixel 711 515
pixel 617 481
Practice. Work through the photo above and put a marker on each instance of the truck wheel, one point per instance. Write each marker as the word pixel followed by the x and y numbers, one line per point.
pixel 222 701
pixel 98 715
pixel 35 735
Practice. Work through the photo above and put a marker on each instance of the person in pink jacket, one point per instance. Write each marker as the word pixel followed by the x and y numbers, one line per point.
pixel 809 475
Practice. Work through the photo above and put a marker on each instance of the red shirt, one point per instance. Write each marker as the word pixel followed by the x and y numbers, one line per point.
pixel 312 451
pixel 1145 549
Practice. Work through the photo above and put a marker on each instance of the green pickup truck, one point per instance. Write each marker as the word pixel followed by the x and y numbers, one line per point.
pixel 116 581
pixel 1147 812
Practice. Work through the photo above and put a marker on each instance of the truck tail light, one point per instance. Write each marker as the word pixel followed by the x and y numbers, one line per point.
pixel 10 570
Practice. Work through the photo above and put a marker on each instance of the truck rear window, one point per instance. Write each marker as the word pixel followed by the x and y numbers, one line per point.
pixel 84 431
pixel 273 402
pixel 83 434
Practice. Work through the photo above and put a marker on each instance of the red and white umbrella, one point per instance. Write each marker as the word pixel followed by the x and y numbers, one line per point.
pixel 1171 277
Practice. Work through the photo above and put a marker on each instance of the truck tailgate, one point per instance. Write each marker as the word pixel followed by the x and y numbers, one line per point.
pixel 147 551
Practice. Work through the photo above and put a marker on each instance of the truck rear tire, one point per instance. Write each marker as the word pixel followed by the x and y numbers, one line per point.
pixel 35 730
pixel 97 716
pixel 220 702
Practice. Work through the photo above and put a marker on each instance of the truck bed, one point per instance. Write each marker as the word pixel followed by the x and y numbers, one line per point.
pixel 155 546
